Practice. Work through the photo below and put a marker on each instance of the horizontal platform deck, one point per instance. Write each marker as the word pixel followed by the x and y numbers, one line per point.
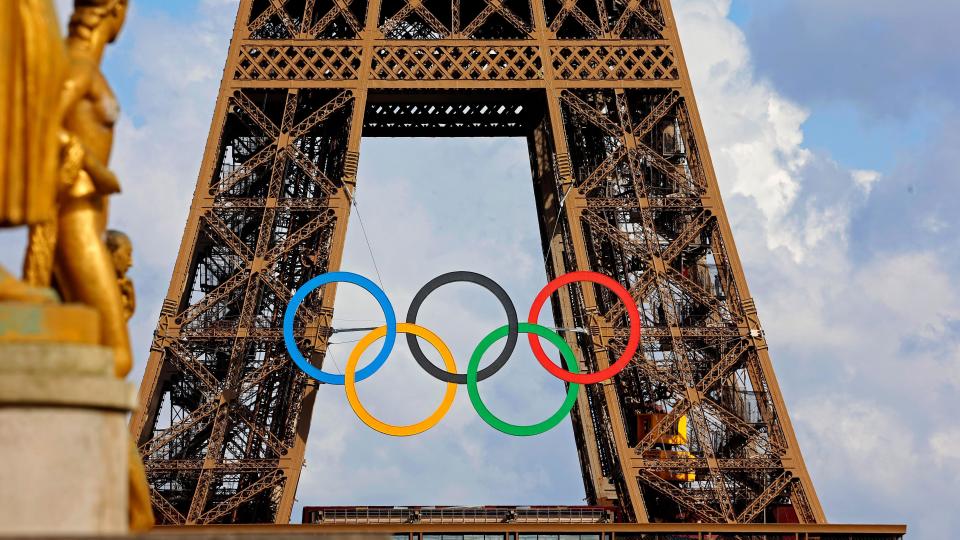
pixel 541 531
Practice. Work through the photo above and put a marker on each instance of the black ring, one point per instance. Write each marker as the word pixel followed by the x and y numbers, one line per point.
pixel 486 283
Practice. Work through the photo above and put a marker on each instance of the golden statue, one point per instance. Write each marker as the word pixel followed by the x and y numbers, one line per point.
pixel 83 268
pixel 121 253
pixel 57 119
pixel 33 64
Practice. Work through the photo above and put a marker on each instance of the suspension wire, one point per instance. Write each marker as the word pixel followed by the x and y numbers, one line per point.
pixel 360 329
pixel 327 354
pixel 546 256
pixel 376 268
pixel 563 200
pixel 343 342
pixel 577 330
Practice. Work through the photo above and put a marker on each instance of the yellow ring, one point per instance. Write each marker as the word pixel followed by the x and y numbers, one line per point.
pixel 350 384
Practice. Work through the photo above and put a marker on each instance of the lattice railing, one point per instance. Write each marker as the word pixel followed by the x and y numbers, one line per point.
pixel 302 63
pixel 507 62
pixel 455 62
pixel 601 62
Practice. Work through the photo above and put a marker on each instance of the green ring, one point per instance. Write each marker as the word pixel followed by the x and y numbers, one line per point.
pixel 512 429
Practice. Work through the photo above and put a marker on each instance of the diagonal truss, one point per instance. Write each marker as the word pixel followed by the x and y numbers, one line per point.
pixel 695 429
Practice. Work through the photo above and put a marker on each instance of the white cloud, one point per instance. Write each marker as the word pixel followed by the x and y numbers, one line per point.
pixel 946 448
pixel 912 287
pixel 754 133
pixel 861 441
pixel 865 178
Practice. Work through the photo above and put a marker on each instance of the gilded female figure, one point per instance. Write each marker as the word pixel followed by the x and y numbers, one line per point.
pixel 83 267
pixel 33 66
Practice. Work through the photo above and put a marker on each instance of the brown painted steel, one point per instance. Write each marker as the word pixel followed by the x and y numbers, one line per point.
pixel 622 530
pixel 625 187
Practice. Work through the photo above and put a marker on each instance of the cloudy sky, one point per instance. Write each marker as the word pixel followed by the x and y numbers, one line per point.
pixel 834 127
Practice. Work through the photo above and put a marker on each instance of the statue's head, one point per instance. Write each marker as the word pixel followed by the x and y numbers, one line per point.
pixel 106 16
pixel 121 250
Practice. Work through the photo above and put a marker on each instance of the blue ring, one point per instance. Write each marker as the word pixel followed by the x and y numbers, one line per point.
pixel 312 285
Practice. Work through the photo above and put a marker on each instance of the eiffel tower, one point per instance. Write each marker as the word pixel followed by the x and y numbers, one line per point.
pixel 694 430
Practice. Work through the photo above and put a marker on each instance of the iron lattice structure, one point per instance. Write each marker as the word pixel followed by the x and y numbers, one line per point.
pixel 624 185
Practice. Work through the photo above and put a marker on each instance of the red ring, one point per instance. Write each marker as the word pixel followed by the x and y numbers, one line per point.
pixel 632 344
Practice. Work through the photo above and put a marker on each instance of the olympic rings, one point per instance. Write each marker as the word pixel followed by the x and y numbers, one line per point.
pixel 493 420
pixel 474 374
pixel 317 282
pixel 486 283
pixel 351 383
pixel 632 344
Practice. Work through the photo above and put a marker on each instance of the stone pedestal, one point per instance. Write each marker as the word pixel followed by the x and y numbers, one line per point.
pixel 63 432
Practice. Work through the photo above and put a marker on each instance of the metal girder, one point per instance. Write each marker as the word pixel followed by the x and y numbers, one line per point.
pixel 262 157
pixel 194 419
pixel 698 464
pixel 247 465
pixel 488 10
pixel 216 295
pixel 321 114
pixel 164 508
pixel 187 362
pixel 414 6
pixel 654 373
pixel 255 378
pixel 254 113
pixel 801 503
pixel 603 171
pixel 637 292
pixel 339 8
pixel 276 8
pixel 634 9
pixel 722 368
pixel 773 490
pixel 284 295
pixel 681 497
pixel 310 169
pixel 663 427
pixel 599 225
pixel 268 481
pixel 695 291
pixel 227 236
pixel 687 235
pixel 570 7
pixel 590 114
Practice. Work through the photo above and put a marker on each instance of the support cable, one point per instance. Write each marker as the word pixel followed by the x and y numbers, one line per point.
pixel 563 200
pixel 376 268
